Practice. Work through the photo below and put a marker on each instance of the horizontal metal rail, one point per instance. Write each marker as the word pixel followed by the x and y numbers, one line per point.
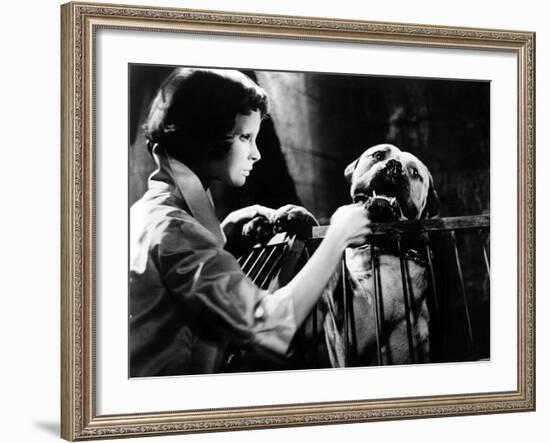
pixel 416 226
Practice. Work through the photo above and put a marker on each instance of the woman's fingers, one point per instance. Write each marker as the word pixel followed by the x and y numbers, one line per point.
pixel 351 223
pixel 266 212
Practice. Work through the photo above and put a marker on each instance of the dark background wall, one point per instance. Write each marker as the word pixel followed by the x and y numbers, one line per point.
pixel 326 121
pixel 321 122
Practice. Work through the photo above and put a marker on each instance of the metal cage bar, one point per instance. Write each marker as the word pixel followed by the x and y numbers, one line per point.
pixel 462 288
pixel 263 267
pixel 377 305
pixel 406 300
pixel 275 267
pixel 347 344
pixel 485 254
pixel 271 266
pixel 429 256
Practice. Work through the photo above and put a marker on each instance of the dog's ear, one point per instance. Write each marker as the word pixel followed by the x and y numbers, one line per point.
pixel 433 206
pixel 349 170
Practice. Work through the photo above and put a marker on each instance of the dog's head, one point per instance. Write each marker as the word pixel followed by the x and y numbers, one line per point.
pixel 395 181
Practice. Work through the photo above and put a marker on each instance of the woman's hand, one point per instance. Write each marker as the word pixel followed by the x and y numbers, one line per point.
pixel 243 215
pixel 349 225
pixel 236 222
pixel 294 215
pixel 292 219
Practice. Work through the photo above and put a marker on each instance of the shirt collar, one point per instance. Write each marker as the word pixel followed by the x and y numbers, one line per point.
pixel 184 181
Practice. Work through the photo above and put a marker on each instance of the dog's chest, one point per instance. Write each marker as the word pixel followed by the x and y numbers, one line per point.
pixel 392 273
pixel 359 261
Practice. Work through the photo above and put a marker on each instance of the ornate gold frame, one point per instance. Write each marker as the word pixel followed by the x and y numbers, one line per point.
pixel 78 416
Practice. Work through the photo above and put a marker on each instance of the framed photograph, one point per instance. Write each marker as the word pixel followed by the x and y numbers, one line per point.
pixel 277 221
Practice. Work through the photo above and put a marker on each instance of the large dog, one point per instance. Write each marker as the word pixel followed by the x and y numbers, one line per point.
pixel 393 185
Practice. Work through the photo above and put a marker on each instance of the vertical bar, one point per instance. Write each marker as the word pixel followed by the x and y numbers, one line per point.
pixel 291 262
pixel 485 255
pixel 251 273
pixel 274 268
pixel 429 254
pixel 486 262
pixel 436 343
pixel 346 311
pixel 406 300
pixel 314 319
pixel 315 334
pixel 352 332
pixel 246 263
pixel 376 304
pixel 463 288
pixel 259 273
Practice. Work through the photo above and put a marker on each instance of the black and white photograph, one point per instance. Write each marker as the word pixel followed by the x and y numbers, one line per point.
pixel 273 219
pixel 305 220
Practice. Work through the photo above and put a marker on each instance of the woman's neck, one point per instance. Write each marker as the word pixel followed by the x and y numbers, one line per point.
pixel 201 170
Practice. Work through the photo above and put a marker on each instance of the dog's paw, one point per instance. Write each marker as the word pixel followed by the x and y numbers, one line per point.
pixel 295 220
pixel 259 229
pixel 291 219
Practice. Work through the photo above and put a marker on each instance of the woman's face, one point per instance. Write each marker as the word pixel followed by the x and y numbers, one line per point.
pixel 235 167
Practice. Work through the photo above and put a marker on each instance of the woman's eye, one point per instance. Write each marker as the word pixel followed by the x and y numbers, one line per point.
pixel 244 137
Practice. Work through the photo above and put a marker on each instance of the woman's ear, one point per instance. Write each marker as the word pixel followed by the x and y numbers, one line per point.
pixel 349 170
pixel 433 205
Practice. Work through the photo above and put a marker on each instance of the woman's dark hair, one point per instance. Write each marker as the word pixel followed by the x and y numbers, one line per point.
pixel 195 109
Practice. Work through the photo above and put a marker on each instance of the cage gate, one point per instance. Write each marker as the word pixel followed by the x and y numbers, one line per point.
pixel 455 254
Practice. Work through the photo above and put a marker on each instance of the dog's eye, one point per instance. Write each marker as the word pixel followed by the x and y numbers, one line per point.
pixel 414 173
pixel 379 155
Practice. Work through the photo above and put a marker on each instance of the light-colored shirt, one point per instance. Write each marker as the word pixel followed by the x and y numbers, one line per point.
pixel 190 302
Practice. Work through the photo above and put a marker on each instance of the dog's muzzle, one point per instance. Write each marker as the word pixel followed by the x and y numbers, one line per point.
pixel 393 169
pixel 380 197
pixel 380 208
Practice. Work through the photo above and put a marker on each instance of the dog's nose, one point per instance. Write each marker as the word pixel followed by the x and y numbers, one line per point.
pixel 394 168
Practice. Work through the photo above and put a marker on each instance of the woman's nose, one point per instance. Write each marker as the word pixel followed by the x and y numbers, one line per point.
pixel 254 152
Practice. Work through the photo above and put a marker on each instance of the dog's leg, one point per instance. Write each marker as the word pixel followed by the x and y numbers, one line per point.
pixel 422 333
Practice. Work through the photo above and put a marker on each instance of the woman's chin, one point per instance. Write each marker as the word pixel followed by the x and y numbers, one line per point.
pixel 237 182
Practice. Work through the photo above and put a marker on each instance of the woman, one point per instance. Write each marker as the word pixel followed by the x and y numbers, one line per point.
pixel 190 303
